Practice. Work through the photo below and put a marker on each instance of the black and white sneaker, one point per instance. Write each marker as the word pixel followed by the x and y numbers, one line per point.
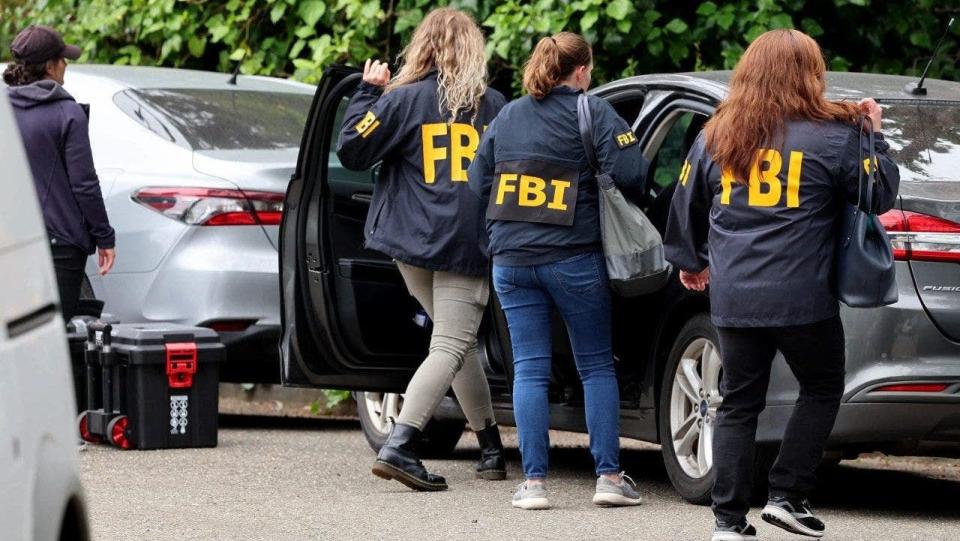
pixel 793 515
pixel 739 532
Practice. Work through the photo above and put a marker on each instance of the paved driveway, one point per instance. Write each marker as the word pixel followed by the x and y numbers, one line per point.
pixel 292 479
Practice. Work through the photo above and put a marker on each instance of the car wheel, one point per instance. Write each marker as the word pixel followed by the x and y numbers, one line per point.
pixel 378 411
pixel 689 398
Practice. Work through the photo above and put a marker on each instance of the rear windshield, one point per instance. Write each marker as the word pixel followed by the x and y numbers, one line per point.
pixel 924 140
pixel 206 119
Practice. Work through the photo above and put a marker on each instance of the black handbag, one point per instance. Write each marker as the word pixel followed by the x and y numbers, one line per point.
pixel 865 275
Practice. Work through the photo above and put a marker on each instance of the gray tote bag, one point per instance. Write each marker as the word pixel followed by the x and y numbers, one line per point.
pixel 632 247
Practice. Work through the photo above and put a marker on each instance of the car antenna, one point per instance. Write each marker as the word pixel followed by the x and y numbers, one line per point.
pixel 917 88
pixel 233 78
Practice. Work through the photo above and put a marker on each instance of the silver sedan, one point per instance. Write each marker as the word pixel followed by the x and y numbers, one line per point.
pixel 193 168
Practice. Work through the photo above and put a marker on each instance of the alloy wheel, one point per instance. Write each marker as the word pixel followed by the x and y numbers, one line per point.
pixel 382 409
pixel 694 400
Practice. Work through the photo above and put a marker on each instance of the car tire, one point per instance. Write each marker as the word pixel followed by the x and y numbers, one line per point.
pixel 378 411
pixel 686 426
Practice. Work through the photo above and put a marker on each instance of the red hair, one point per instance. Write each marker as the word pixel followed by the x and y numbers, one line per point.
pixel 781 77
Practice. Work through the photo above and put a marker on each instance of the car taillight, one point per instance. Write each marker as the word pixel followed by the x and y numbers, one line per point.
pixel 912 388
pixel 210 206
pixel 920 237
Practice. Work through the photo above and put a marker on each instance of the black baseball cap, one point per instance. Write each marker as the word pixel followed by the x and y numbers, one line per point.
pixel 36 44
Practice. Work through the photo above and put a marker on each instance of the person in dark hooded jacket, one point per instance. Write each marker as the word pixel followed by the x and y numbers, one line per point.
pixel 55 135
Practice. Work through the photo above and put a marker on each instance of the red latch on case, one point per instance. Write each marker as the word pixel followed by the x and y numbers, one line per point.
pixel 181 364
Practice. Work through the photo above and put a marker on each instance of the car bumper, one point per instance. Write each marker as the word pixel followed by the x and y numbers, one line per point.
pixel 212 275
pixel 878 425
pixel 253 355
pixel 896 344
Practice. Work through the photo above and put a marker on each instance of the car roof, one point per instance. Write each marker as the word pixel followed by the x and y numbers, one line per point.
pixel 138 77
pixel 839 85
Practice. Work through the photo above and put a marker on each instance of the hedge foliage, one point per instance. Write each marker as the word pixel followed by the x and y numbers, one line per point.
pixel 298 38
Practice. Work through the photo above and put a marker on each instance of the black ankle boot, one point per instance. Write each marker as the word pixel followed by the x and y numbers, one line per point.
pixel 398 460
pixel 492 466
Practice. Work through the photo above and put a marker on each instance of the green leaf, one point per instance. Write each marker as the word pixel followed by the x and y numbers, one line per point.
pixel 781 20
pixel 238 54
pixel 839 63
pixel 305 32
pixel 197 45
pixel 277 12
pixel 171 45
pixel 218 32
pixel 707 9
pixel 920 39
pixel 677 26
pixel 297 48
pixel 811 27
pixel 655 47
pixel 725 20
pixel 618 9
pixel 311 11
pixel 624 26
pixel 589 19
pixel 754 32
pixel 503 49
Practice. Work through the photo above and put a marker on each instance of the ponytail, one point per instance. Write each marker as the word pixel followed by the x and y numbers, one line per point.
pixel 553 60
pixel 17 74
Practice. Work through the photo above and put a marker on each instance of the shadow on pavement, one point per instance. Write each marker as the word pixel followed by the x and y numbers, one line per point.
pixel 897 492
pixel 265 422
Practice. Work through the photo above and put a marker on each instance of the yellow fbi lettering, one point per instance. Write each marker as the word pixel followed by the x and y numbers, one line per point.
pixel 464 140
pixel 532 191
pixel 685 173
pixel 765 188
pixel 366 126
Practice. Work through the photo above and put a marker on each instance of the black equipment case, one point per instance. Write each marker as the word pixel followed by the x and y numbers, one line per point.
pixel 158 386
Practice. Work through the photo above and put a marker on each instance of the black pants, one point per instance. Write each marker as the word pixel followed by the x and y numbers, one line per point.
pixel 815 354
pixel 68 262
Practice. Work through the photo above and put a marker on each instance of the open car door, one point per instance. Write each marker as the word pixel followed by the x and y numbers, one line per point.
pixel 348 321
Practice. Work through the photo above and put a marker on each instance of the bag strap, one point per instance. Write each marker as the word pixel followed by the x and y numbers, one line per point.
pixel 585 121
pixel 867 171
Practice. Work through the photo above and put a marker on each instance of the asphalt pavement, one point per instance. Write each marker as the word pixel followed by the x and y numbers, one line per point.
pixel 279 479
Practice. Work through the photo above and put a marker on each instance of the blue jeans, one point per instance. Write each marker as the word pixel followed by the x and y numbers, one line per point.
pixel 578 288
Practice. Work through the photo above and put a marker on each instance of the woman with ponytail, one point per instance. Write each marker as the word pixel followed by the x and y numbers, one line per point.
pixel 424 126
pixel 532 174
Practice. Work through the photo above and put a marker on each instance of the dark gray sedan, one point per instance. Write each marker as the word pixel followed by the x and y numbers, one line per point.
pixel 348 321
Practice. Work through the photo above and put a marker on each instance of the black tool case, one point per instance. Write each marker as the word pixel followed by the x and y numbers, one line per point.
pixel 159 386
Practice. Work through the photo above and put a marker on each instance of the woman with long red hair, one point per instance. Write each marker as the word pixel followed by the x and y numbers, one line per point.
pixel 754 216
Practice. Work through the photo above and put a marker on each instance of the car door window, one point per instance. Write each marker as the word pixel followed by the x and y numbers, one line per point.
pixel 672 152
pixel 668 159
pixel 337 172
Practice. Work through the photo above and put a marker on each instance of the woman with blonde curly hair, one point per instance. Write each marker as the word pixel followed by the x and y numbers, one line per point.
pixel 424 125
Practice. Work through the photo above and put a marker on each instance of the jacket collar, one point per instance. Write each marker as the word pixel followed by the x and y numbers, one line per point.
pixel 564 89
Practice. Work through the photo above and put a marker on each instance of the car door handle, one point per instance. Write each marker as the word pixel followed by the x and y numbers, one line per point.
pixel 362 197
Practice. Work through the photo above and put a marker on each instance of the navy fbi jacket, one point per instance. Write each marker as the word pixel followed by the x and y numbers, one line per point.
pixel 422 212
pixel 532 176
pixel 770 245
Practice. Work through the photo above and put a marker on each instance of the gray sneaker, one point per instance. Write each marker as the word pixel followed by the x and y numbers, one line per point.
pixel 531 496
pixel 610 494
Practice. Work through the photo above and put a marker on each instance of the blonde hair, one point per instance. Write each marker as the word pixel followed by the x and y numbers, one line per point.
pixel 553 60
pixel 449 41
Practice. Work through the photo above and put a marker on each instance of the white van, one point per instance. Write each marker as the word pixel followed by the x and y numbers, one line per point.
pixel 40 495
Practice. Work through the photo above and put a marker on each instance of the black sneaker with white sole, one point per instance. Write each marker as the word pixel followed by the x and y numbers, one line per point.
pixel 738 532
pixel 793 515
